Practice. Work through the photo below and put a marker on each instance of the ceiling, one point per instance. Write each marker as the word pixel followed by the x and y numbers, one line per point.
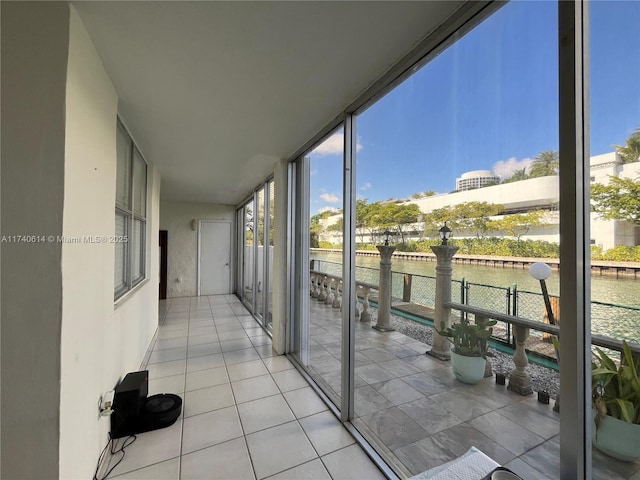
pixel 215 93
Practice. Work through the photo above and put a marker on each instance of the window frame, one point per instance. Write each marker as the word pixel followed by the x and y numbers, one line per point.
pixel 131 217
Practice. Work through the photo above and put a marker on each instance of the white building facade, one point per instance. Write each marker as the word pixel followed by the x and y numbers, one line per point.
pixel 542 193
pixel 476 179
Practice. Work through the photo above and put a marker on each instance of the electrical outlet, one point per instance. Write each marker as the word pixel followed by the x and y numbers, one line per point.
pixel 106 403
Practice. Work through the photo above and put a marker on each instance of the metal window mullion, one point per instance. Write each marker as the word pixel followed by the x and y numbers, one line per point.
pixel 130 218
pixel 290 267
pixel 143 249
pixel 347 411
pixel 575 414
pixel 263 259
pixel 128 215
pixel 265 252
pixel 302 285
pixel 256 214
pixel 129 248
pixel 240 232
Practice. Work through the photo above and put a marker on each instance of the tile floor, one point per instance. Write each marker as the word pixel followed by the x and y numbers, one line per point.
pixel 247 414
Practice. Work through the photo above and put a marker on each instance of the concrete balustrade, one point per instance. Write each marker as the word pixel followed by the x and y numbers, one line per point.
pixel 482 321
pixel 337 297
pixel 519 379
pixel 324 286
pixel 365 316
pixel 322 295
pixel 328 300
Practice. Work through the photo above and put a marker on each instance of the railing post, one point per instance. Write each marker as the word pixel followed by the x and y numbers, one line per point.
pixel 322 295
pixel 406 288
pixel 481 321
pixel 337 298
pixel 519 380
pixel 514 312
pixel 329 298
pixel 312 285
pixel 365 316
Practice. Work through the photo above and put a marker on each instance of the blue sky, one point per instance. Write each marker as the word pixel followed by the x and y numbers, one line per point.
pixel 487 102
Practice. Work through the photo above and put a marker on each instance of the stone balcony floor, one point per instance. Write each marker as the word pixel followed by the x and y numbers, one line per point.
pixel 410 406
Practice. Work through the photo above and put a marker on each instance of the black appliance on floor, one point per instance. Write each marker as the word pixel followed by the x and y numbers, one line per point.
pixel 135 412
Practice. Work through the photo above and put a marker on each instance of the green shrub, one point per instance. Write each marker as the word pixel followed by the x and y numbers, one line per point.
pixel 622 253
pixel 507 247
pixel 365 246
pixel 597 252
pixel 407 247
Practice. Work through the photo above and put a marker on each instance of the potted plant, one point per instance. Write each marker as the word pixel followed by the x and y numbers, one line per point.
pixel 470 348
pixel 616 405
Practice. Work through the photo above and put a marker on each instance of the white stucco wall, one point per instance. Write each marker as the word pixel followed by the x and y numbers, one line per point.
pixel 100 342
pixel 34 60
pixel 182 243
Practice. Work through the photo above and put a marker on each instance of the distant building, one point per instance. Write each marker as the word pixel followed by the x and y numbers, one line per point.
pixel 476 179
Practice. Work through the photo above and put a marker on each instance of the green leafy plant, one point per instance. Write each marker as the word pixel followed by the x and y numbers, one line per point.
pixel 616 388
pixel 469 339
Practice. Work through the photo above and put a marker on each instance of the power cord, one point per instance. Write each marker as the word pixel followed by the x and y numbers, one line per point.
pixel 112 442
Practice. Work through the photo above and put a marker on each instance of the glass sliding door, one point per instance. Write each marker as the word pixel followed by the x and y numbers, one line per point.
pixel 270 229
pixel 248 255
pixel 615 186
pixel 470 139
pixel 317 343
pixel 255 253
pixel 260 253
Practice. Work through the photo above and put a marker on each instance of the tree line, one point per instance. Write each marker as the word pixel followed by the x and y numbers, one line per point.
pixel 400 218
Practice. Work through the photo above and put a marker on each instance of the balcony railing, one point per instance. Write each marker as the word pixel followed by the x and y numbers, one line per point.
pixel 327 287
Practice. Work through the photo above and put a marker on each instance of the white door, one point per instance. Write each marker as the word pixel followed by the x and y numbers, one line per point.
pixel 214 268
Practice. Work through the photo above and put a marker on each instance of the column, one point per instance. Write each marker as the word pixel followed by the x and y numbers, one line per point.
pixel 441 347
pixel 384 289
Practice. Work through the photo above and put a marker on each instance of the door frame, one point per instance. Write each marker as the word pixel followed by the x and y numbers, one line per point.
pixel 229 255
pixel 163 243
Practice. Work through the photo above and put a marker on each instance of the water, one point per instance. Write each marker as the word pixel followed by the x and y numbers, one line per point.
pixel 606 320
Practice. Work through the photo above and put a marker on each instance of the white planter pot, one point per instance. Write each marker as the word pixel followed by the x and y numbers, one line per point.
pixel 467 369
pixel 616 438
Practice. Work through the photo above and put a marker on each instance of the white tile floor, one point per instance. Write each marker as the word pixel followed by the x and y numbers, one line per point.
pixel 246 413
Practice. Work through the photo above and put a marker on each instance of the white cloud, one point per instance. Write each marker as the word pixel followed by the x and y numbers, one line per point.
pixel 333 145
pixel 327 209
pixel 330 197
pixel 366 186
pixel 505 168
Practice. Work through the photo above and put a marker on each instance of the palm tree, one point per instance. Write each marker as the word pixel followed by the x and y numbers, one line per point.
pixel 517 175
pixel 631 151
pixel 544 164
